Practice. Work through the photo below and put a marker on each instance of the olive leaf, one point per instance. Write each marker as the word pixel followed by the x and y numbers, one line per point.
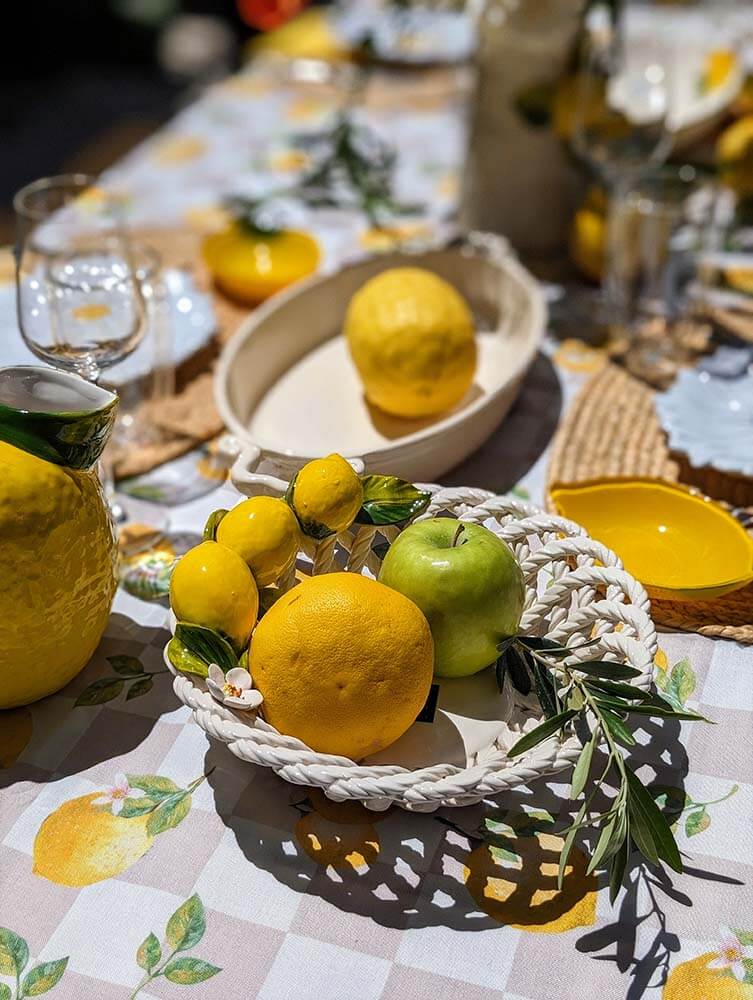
pixel 541 733
pixel 186 926
pixel 213 523
pixel 389 500
pixel 149 953
pixel 43 977
pixel 207 644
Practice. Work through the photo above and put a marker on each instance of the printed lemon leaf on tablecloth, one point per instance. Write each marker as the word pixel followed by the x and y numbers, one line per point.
pixel 128 671
pixel 677 684
pixel 184 929
pixel 14 957
pixel 97 836
pixel 676 803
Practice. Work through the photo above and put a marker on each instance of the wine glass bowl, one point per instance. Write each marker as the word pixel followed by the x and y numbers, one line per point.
pixel 79 301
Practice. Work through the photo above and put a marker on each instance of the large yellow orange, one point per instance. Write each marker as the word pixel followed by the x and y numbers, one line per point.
pixel 344 664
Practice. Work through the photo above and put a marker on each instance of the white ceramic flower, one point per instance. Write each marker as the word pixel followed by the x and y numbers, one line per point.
pixel 115 795
pixel 233 688
pixel 731 954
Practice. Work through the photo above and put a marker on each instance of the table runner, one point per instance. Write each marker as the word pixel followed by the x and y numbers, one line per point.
pixel 244 886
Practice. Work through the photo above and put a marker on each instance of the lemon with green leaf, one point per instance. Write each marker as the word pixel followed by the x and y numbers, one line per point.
pixel 212 586
pixel 326 495
pixel 265 534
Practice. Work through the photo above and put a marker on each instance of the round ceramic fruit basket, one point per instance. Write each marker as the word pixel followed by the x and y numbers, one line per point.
pixel 576 594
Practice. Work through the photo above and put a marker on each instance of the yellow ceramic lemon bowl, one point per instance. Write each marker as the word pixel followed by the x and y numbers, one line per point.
pixel 678 543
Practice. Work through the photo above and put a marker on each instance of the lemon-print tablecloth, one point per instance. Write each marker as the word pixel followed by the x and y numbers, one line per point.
pixel 137 859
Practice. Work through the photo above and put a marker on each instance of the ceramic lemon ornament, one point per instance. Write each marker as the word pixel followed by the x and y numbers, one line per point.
pixel 57 547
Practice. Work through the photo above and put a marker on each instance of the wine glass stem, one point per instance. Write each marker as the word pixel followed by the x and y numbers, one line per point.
pixel 616 271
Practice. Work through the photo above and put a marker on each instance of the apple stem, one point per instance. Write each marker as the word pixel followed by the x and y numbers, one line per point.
pixel 458 533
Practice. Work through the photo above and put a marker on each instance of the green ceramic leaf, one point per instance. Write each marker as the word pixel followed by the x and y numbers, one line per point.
pixel 187 971
pixel 697 822
pixel 73 435
pixel 14 953
pixel 168 814
pixel 154 785
pixel 208 645
pixel 388 500
pixel 100 691
pixel 149 953
pixel 213 523
pixel 4 992
pixel 128 666
pixel 43 977
pixel 186 926
pixel 185 661
pixel 139 687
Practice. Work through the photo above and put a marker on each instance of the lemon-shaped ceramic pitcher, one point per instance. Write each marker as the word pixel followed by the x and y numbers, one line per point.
pixel 58 552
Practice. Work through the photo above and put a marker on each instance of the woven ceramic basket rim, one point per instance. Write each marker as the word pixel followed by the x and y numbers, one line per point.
pixel 587 594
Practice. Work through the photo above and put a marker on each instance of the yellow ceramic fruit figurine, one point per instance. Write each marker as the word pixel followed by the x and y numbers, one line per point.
pixel 734 156
pixel 344 664
pixel 212 586
pixel 411 337
pixel 265 534
pixel 82 843
pixel 326 495
pixel 588 234
pixel 251 266
pixel 57 548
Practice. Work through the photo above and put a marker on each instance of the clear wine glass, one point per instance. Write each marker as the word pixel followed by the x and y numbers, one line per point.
pixel 79 300
pixel 620 117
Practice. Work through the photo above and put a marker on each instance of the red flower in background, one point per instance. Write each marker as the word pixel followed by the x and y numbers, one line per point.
pixel 268 14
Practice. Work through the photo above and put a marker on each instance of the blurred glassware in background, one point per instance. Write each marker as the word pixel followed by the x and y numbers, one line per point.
pixel 621 105
pixel 662 226
pixel 78 290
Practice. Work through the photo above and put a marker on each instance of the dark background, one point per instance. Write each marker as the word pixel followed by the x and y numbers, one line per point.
pixel 84 80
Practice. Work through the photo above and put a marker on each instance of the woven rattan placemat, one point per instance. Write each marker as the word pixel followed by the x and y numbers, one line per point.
pixel 612 430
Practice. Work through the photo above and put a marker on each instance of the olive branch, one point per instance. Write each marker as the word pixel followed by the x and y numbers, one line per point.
pixel 597 694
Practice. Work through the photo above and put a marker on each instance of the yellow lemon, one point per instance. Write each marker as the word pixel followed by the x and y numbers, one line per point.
pixel 326 495
pixel 734 155
pixel 250 267
pixel 57 574
pixel 524 894
pixel 80 843
pixel 265 534
pixel 212 586
pixel 740 278
pixel 344 664
pixel 411 337
pixel 694 981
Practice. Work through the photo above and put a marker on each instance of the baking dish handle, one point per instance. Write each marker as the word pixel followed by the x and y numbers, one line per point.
pixel 247 480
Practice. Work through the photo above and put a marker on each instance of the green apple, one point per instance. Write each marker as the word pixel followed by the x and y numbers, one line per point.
pixel 468 585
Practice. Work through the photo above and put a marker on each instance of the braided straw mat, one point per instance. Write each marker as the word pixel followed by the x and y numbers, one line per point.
pixel 612 430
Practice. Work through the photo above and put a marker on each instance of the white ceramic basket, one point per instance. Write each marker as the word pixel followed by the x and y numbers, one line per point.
pixel 576 589
pixel 288 391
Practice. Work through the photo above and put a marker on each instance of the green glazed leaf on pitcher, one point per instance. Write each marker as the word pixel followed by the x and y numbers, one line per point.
pixel 389 500
pixel 58 417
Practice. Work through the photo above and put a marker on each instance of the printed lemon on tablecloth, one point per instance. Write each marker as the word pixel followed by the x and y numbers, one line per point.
pixel 412 339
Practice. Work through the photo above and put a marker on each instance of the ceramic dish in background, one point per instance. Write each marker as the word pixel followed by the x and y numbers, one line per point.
pixel 681 545
pixel 288 391
pixel 191 316
pixel 710 419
